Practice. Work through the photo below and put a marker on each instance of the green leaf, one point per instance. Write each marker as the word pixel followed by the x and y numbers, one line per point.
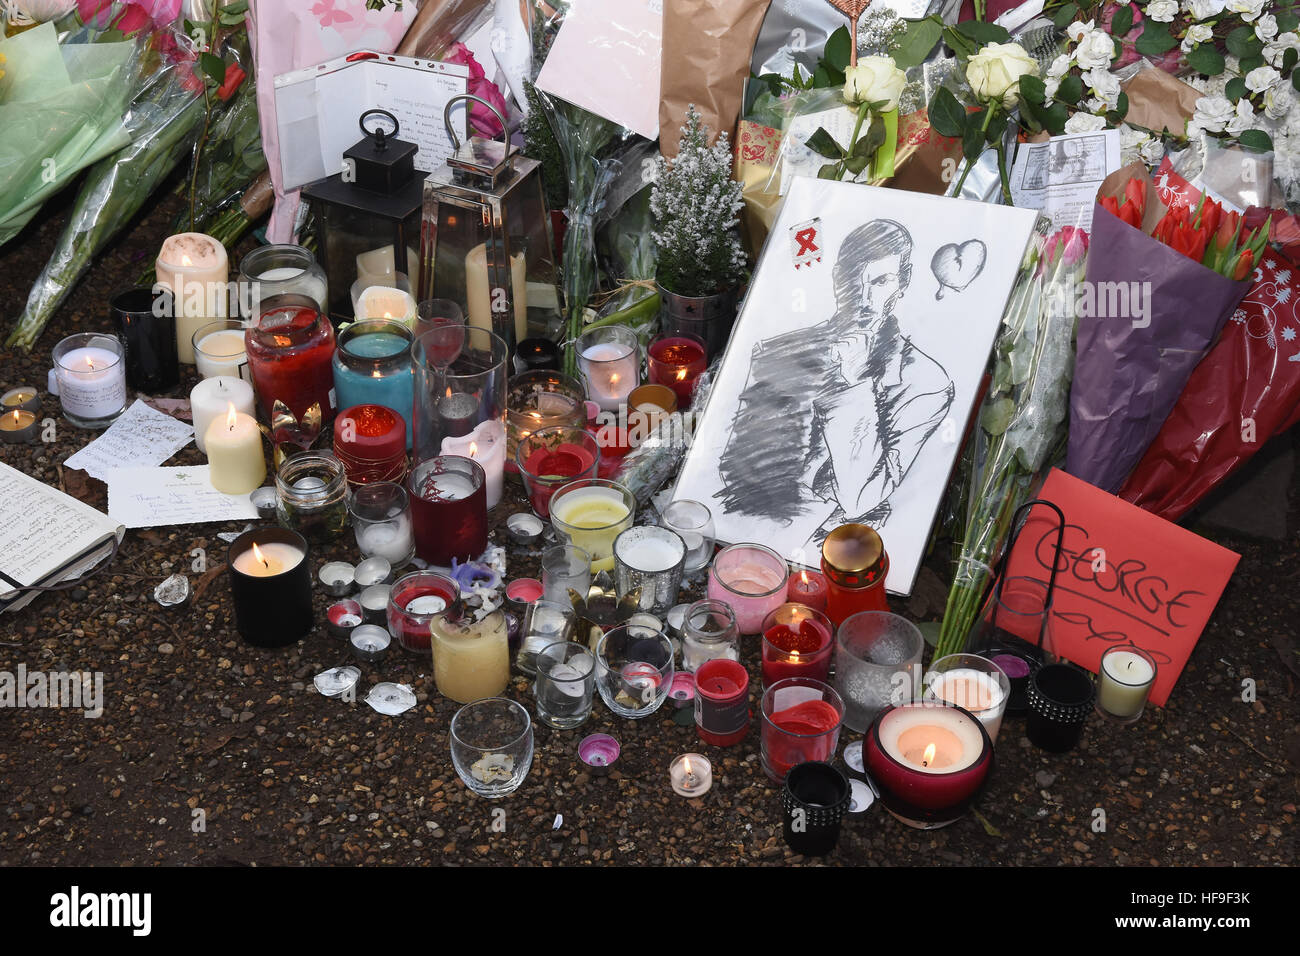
pixel 1295 80
pixel 1054 118
pixel 829 171
pixel 240 6
pixel 929 630
pixel 960 44
pixel 972 143
pixel 1122 22
pixel 997 126
pixel 1033 90
pixel 1235 88
pixel 1256 139
pixel 1243 42
pixel 947 116
pixel 1155 39
pixel 1030 114
pixel 1205 59
pixel 856 164
pixel 1288 20
pixel 213 66
pixel 1070 90
pixel 981 33
pixel 1066 15
pixel 838 49
pixel 1248 63
pixel 1121 106
pixel 823 144
pixel 821 78
pixel 1289 59
pixel 915 45
pixel 996 416
pixel 870 141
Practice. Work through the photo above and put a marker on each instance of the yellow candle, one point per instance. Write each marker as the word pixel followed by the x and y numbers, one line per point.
pixel 234 445
pixel 268 560
pixel 471 659
pixel 195 268
pixel 481 294
pixel 592 518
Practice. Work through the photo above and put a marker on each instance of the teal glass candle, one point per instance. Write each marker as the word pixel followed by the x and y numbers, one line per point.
pixel 372 366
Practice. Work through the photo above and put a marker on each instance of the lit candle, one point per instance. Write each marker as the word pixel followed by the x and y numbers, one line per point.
pixel 90 381
pixel 382 302
pixel 809 588
pixel 219 350
pixel 610 370
pixel 18 426
pixel 268 560
pixel 486 444
pixel 677 361
pixel 24 397
pixel 976 691
pixel 234 446
pixel 1127 673
pixel 482 296
pixel 691 775
pixel 195 268
pixel 209 400
pixel 471 659
pixel 270 580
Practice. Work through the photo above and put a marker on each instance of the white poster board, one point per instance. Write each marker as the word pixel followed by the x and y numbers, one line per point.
pixel 853 367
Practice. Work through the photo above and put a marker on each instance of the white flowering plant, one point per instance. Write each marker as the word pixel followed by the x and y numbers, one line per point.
pixel 696 205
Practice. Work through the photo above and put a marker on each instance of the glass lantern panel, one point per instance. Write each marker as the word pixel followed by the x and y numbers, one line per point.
pixel 358 245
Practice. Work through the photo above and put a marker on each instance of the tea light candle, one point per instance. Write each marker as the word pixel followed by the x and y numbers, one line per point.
pixel 598 752
pixel 808 588
pixel 374 570
pixel 471 659
pixel 611 372
pixel 374 603
pixel 797 642
pixel 677 361
pixel 691 775
pixel 18 425
pixel 210 400
pixel 337 577
pixel 682 690
pixel 24 397
pixel 220 351
pixel 369 643
pixel 524 528
pixel 1126 675
pixel 195 268
pixel 392 539
pixel 90 382
pixel 976 691
pixel 486 444
pixel 341 617
pixel 234 445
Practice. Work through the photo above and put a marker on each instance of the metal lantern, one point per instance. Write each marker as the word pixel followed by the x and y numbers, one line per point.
pixel 487 237
pixel 369 215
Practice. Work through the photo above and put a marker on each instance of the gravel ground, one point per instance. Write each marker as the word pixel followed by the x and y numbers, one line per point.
pixel 195 720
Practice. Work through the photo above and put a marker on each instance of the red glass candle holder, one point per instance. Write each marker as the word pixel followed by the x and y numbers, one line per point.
pixel 290 350
pixel 414 601
pixel 370 440
pixel 801 722
pixel 677 360
pixel 449 509
pixel 923 787
pixel 722 702
pixel 798 641
pixel 808 588
pixel 552 457
pixel 856 566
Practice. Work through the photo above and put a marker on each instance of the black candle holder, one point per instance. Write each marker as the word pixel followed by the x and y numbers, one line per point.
pixel 146 325
pixel 1060 700
pixel 272 610
pixel 814 801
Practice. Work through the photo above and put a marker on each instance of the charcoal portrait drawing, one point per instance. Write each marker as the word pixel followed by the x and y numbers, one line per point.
pixel 833 416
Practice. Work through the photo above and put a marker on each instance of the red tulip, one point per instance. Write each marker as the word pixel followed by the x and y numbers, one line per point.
pixel 1136 193
pixel 1244 265
pixel 234 76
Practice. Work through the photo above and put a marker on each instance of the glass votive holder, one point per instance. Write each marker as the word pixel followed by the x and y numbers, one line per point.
pixel 709 632
pixel 381 521
pixel 694 522
pixel 590 513
pixel 311 496
pixel 1124 681
pixel 1060 700
pixel 677 360
pixel 449 509
pixel 974 683
pixel 89 376
pixel 492 746
pixel 752 579
pixel 372 366
pixel 540 399
pixel 648 567
pixel 536 354
pixel 550 458
pixel 801 722
pixel 634 668
pixel 877 663
pixel 564 569
pixel 412 604
pixel 798 641
pixel 545 623
pixel 219 350
pixel 274 270
pixel 722 702
pixel 813 802
pixel 609 359
pixel 566 684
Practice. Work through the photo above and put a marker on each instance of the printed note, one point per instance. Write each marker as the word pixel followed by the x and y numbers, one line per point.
pixel 142 436
pixel 150 497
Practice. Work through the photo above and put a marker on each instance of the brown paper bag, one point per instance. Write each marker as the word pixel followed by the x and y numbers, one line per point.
pixel 438 25
pixel 1158 101
pixel 706 49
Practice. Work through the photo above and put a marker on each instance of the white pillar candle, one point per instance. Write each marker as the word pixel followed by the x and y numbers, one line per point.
pixel 379 266
pixel 209 399
pixel 235 459
pixel 932 739
pixel 91 382
pixel 221 352
pixel 1126 677
pixel 195 268
pixel 611 371
pixel 486 444
pixel 482 296
pixel 382 302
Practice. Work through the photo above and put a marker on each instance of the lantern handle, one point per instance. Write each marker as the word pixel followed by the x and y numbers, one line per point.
pixel 380 134
pixel 446 116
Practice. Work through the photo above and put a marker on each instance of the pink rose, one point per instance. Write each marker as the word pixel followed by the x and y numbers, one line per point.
pixel 129 17
pixel 481 119
pixel 1069 245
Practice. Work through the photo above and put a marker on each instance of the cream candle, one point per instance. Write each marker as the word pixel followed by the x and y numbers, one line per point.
pixel 382 302
pixel 486 444
pixel 268 560
pixel 934 740
pixel 219 350
pixel 208 401
pixel 1125 678
pixel 236 462
pixel 590 514
pixel 195 268
pixel 983 694
pixel 482 296
pixel 471 659
pixel 379 266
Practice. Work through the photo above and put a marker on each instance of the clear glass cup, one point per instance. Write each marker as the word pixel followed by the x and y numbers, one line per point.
pixel 432 314
pixel 460 382
pixel 545 623
pixel 311 493
pixel 492 746
pixel 802 718
pixel 381 520
pixel 753 579
pixel 798 641
pixel 89 376
pixel 566 684
pixel 877 663
pixel 694 522
pixel 1014 632
pixel 648 564
pixel 709 632
pixel 972 682
pixel 219 350
pixel 590 513
pixel 565 568
pixel 550 458
pixel 634 668
pixel 609 360
pixel 280 269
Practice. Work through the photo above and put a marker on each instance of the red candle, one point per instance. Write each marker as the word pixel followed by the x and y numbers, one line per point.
pixel 370 440
pixel 808 587
pixel 677 361
pixel 795 735
pixel 565 461
pixel 290 350
pixel 856 565
pixel 797 642
pixel 449 509
pixel 415 599
pixel 722 702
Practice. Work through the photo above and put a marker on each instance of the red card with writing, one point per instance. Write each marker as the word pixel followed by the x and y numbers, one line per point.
pixel 1124 576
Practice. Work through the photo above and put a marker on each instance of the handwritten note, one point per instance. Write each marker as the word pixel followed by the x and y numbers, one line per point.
pixel 149 497
pixel 1124 576
pixel 142 436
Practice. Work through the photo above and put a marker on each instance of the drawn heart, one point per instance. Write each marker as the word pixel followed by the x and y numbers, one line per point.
pixel 956 266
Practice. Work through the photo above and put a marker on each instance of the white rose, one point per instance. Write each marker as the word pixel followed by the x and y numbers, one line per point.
pixel 1261 78
pixel 1050 88
pixel 1203 9
pixel 1060 66
pixel 1274 50
pixel 1248 9
pixel 1266 27
pixel 1212 113
pixel 1084 123
pixel 1105 84
pixel 994 72
pixel 876 79
pixel 1077 30
pixel 1242 120
pixel 1196 33
pixel 1277 103
pixel 43 10
pixel 1094 50
pixel 1152 151
pixel 1162 11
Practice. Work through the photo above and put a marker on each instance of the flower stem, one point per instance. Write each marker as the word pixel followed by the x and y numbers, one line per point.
pixel 984 128
pixel 863 110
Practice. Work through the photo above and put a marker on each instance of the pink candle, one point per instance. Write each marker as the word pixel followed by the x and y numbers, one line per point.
pixel 808 587
pixel 752 580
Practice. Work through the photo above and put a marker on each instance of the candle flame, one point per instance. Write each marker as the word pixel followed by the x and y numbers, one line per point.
pixel 231 417
pixel 928 757
pixel 686 764
pixel 681 375
pixel 186 260
pixel 794 657
pixel 613 379
pixel 90 363
pixel 257 553
pixel 449 393
pixel 473 449
pixel 388 315
pixel 803 576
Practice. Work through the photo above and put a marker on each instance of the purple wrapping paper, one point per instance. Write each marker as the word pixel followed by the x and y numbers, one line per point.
pixel 1128 375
